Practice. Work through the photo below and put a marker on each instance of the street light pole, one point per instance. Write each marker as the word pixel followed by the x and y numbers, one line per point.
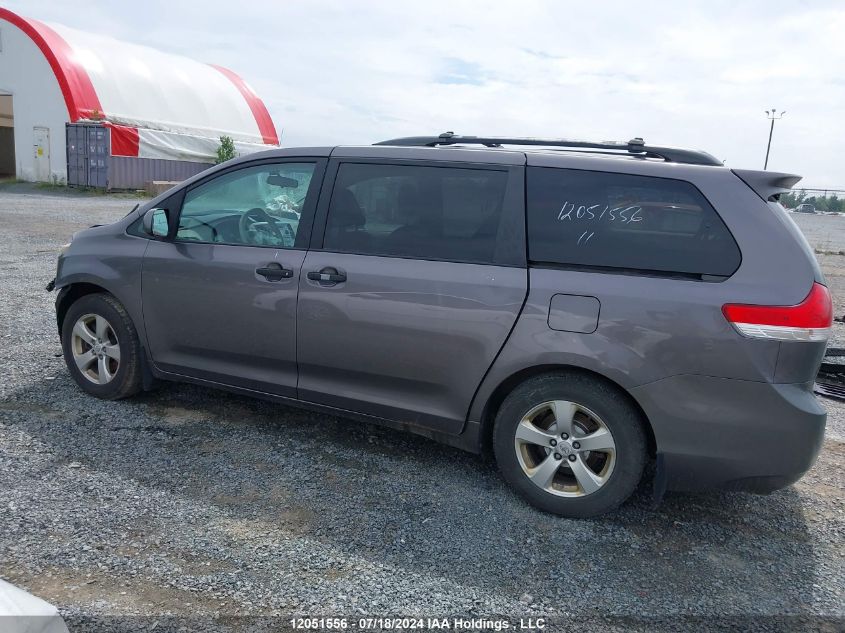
pixel 772 116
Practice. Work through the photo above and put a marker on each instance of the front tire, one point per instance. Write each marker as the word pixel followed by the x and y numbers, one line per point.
pixel 570 444
pixel 101 347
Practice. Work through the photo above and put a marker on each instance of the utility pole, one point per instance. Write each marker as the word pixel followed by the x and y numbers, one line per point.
pixel 772 116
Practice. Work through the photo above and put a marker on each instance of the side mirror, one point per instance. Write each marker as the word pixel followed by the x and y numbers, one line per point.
pixel 155 223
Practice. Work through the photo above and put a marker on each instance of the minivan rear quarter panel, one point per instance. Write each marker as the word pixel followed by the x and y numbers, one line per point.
pixel 666 341
pixel 648 328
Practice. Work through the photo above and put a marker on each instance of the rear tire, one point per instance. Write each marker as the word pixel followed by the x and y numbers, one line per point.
pixel 101 347
pixel 570 444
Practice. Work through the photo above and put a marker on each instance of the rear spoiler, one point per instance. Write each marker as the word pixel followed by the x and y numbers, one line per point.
pixel 767 184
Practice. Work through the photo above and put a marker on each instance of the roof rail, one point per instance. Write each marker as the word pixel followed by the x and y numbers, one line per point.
pixel 635 146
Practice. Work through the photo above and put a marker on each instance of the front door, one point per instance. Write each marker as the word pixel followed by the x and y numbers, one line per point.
pixel 219 295
pixel 420 278
pixel 41 151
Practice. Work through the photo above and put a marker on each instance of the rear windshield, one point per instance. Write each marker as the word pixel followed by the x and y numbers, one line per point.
pixel 608 220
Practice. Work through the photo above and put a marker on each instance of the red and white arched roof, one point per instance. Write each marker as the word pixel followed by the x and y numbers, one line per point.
pixel 143 88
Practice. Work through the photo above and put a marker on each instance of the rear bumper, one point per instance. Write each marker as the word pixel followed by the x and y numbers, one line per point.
pixel 732 434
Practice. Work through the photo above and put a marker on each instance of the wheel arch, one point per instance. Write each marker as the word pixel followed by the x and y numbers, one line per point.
pixel 71 293
pixel 506 386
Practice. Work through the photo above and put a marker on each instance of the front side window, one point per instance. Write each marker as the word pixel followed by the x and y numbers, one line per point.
pixel 255 206
pixel 440 213
pixel 603 219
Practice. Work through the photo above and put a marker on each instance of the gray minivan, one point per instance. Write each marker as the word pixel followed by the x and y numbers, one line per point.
pixel 576 308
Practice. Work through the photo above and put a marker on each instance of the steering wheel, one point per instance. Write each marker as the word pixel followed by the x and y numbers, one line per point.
pixel 251 218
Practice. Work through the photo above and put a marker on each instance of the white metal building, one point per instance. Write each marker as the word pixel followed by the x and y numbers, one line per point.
pixel 159 109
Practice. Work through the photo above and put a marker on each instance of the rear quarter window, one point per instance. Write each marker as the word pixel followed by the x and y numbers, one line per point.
pixel 608 220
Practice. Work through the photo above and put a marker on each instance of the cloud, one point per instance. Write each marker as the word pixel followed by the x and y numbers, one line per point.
pixel 457 71
pixel 689 74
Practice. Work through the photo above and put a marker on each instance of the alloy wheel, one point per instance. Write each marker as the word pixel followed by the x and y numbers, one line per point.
pixel 95 348
pixel 565 449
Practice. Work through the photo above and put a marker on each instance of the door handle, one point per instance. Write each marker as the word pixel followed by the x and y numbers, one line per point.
pixel 327 275
pixel 274 272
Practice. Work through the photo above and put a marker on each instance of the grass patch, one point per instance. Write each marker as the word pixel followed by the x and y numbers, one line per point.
pixel 22 186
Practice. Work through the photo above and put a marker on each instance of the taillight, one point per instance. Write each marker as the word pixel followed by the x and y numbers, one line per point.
pixel 810 320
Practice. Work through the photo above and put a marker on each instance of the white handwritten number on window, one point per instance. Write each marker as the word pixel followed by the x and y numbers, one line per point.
pixel 573 212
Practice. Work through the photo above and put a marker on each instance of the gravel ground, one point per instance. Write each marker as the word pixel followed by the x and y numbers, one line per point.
pixel 200 505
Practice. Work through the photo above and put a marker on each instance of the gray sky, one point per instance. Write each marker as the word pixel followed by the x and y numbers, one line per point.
pixel 696 74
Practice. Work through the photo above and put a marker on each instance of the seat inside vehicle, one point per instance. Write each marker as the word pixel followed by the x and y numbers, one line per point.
pixel 430 213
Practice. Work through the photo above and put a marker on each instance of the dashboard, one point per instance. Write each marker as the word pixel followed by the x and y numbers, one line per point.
pixel 225 227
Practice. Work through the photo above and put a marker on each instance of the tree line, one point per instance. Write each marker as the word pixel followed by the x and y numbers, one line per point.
pixel 821 203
